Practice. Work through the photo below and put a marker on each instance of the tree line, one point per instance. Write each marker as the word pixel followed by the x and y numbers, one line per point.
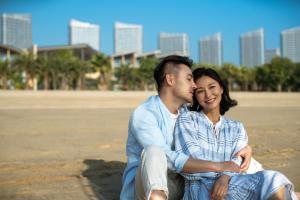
pixel 64 71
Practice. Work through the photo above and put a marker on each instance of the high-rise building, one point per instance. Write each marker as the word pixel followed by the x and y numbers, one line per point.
pixel 270 54
pixel 174 43
pixel 16 30
pixel 252 48
pixel 290 44
pixel 84 33
pixel 211 50
pixel 128 38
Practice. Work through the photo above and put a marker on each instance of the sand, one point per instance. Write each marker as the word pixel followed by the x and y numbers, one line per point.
pixel 71 145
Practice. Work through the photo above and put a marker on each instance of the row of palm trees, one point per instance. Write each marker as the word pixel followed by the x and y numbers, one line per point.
pixel 65 71
pixel 62 70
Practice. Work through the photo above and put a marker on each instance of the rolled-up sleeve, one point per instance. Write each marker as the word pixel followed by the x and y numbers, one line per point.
pixel 147 131
pixel 240 141
pixel 186 141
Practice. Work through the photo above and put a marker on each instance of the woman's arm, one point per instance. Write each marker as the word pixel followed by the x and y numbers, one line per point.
pixel 220 188
pixel 196 166
pixel 187 142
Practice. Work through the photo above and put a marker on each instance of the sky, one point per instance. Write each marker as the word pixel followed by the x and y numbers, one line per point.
pixel 197 18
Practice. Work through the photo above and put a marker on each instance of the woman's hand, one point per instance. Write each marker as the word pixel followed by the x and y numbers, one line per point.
pixel 246 154
pixel 220 188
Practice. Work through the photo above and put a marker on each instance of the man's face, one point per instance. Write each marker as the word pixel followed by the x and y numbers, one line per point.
pixel 184 84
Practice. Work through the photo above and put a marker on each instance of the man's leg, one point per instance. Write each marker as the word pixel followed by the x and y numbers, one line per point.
pixel 152 173
pixel 152 176
pixel 175 186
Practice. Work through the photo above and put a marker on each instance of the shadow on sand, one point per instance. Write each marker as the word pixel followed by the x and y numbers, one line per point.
pixel 103 178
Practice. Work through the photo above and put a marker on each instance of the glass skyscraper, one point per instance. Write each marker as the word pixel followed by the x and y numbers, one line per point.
pixel 211 50
pixel 128 38
pixel 16 30
pixel 84 33
pixel 252 48
pixel 290 44
pixel 174 43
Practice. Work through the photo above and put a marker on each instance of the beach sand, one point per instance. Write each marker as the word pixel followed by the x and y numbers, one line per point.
pixel 71 145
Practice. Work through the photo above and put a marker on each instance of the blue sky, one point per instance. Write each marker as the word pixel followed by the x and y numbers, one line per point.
pixel 197 18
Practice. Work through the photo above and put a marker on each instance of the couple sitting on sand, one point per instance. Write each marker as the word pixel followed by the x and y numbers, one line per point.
pixel 180 152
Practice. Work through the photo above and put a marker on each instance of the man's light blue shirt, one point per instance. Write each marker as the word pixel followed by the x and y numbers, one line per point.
pixel 150 124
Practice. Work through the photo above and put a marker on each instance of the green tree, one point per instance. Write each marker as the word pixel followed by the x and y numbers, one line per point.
pixel 26 63
pixel 127 77
pixel 262 77
pixel 280 71
pixel 102 64
pixel 61 63
pixel 145 72
pixel 5 73
pixel 80 68
pixel 45 70
pixel 294 81
pixel 229 73
pixel 246 78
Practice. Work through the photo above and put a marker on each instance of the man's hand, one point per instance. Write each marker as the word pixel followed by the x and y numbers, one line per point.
pixel 220 188
pixel 246 154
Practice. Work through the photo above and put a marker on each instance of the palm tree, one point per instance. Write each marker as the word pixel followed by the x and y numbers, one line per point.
pixel 125 76
pixel 229 72
pixel 79 69
pixel 26 63
pixel 145 72
pixel 102 64
pixel 5 72
pixel 281 70
pixel 246 78
pixel 45 70
pixel 61 64
pixel 262 77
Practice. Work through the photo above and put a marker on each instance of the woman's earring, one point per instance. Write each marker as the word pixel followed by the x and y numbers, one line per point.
pixel 198 107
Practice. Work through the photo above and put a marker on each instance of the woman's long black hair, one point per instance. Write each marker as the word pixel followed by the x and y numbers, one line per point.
pixel 226 102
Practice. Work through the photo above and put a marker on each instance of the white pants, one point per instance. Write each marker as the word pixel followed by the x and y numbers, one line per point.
pixel 153 174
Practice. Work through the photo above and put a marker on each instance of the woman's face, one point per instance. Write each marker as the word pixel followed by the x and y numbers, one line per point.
pixel 208 93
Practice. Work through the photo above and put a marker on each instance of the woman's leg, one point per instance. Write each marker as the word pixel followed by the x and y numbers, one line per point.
pixel 278 195
pixel 262 185
pixel 276 186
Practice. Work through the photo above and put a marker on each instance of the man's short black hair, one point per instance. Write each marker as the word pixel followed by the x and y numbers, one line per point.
pixel 159 71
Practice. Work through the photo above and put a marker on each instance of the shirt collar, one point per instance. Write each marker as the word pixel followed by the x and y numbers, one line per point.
pixel 217 125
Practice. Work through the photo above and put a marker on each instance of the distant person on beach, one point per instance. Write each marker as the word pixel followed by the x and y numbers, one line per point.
pixel 205 133
pixel 152 163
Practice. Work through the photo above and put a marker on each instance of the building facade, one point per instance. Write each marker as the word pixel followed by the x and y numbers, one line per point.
pixel 16 30
pixel 173 43
pixel 270 54
pixel 211 50
pixel 84 33
pixel 128 38
pixel 252 48
pixel 290 44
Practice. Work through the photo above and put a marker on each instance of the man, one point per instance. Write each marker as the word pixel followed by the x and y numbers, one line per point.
pixel 152 164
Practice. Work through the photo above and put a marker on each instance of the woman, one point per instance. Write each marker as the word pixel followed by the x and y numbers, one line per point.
pixel 204 133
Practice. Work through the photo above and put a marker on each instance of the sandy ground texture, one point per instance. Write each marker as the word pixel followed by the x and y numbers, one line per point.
pixel 71 145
